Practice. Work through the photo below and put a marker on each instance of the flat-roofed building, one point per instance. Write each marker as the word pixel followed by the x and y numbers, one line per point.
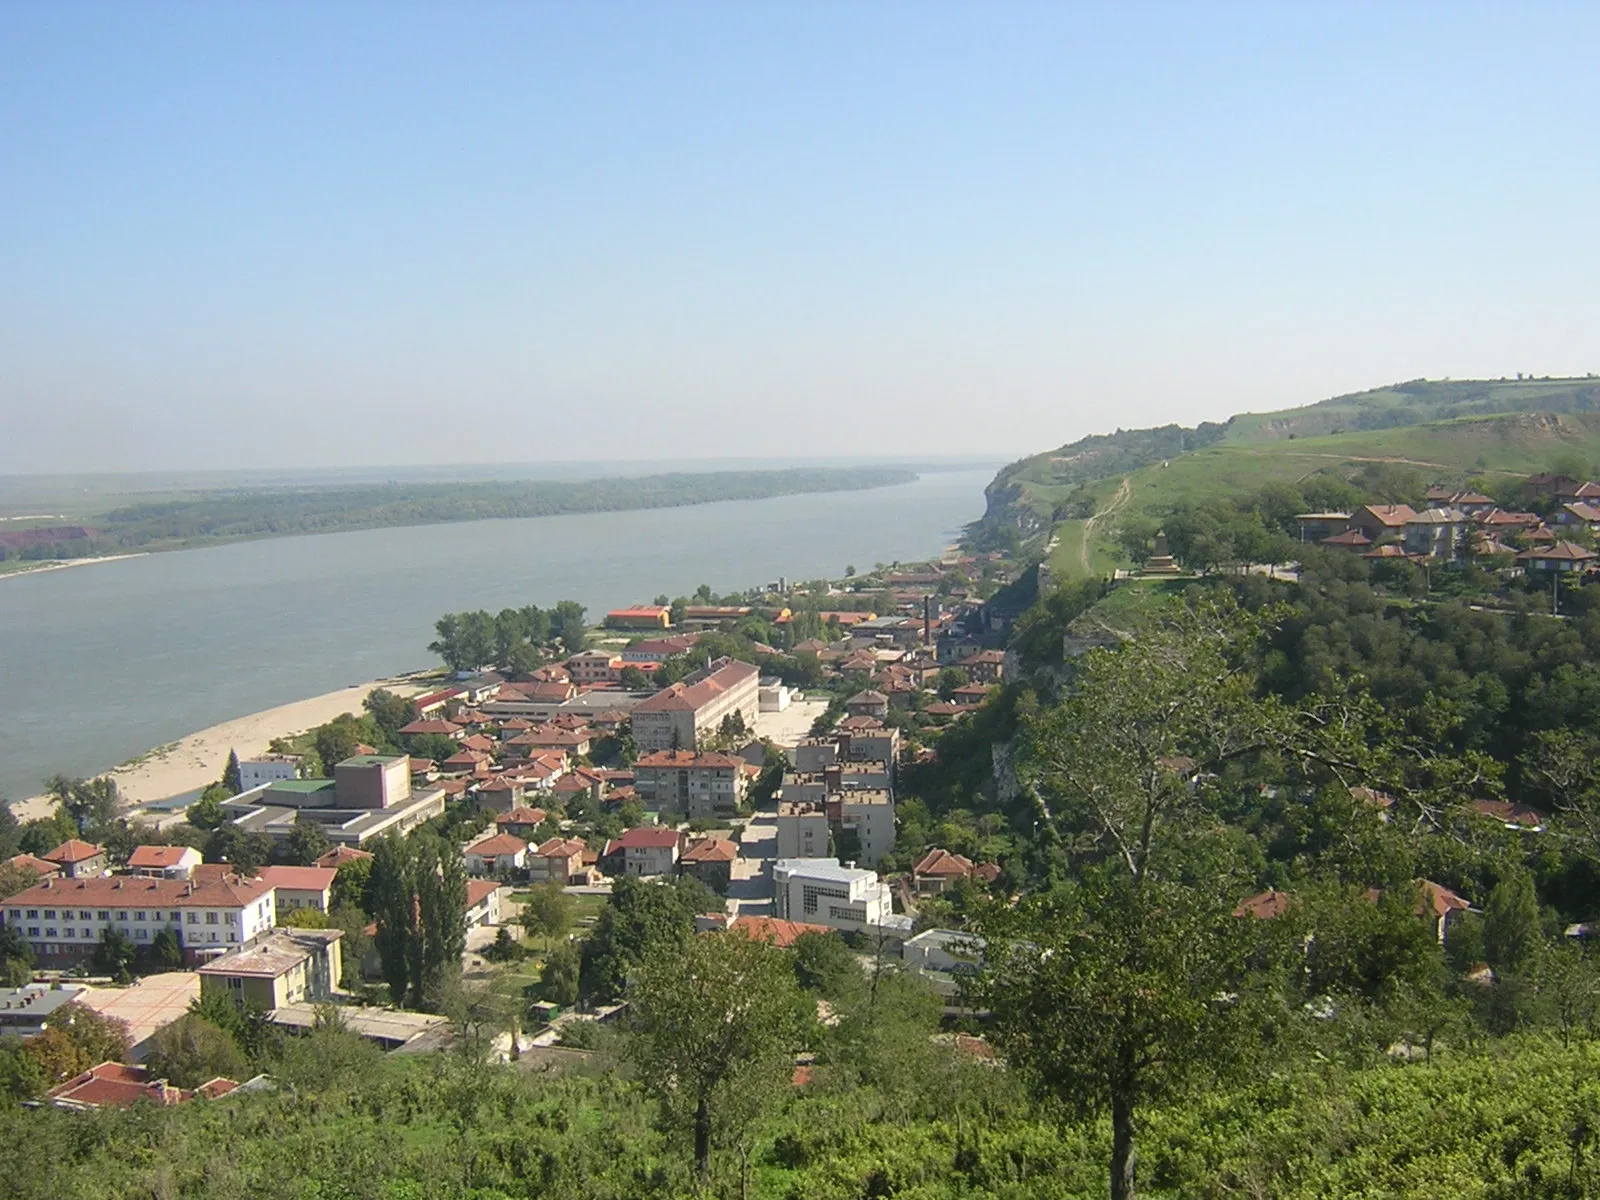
pixel 822 892
pixel 695 785
pixel 285 966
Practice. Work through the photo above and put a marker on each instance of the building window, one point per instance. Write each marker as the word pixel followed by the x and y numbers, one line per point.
pixel 177 917
pixel 33 914
pixel 138 916
pixel 194 918
pixel 122 915
pixel 84 915
pixel 33 931
pixel 142 934
pixel 50 933
pixel 104 915
pixel 212 936
pixel 211 918
pixel 231 936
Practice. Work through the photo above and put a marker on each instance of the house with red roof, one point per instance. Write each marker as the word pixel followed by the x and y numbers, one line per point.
pixel 710 860
pixel 939 870
pixel 117 1085
pixel 340 855
pixel 676 717
pixel 782 934
pixel 77 859
pixel 556 860
pixel 433 725
pixel 645 850
pixel 497 854
pixel 301 887
pixel 167 862
pixel 640 616
pixel 521 821
pixel 1264 906
pixel 40 868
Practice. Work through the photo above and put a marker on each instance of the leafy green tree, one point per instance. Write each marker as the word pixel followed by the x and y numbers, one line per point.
pixel 715 1029
pixel 14 879
pixel 336 741
pixel 825 965
pixel 356 941
pixel 559 979
pixel 304 918
pixel 419 898
pixel 307 842
pixel 390 711
pixel 114 955
pixel 633 679
pixel 352 884
pixel 10 831
pixel 207 812
pixel 165 952
pixel 91 803
pixel 1511 936
pixel 191 1051
pixel 638 917
pixel 231 778
pixel 245 852
pixel 547 913
pixel 434 746
pixel 43 834
pixel 569 626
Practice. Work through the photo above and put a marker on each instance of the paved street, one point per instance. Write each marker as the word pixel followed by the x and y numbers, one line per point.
pixel 750 887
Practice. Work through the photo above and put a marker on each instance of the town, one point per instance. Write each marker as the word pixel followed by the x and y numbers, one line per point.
pixel 760 779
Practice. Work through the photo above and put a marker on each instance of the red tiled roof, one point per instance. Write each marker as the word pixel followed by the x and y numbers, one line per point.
pixel 479 890
pixel 157 857
pixel 1508 814
pixel 690 697
pixel 300 879
pixel 38 866
pixel 687 758
pixel 430 725
pixel 497 845
pixel 340 855
pixel 72 851
pixel 942 862
pixel 1350 537
pixel 115 1085
pixel 644 837
pixel 123 891
pixel 1560 552
pixel 558 847
pixel 522 815
pixel 1264 906
pixel 771 929
pixel 711 850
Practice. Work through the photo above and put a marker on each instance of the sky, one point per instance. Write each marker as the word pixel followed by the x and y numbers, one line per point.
pixel 343 234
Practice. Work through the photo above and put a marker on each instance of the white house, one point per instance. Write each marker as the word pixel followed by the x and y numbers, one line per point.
pixel 820 891
pixel 500 852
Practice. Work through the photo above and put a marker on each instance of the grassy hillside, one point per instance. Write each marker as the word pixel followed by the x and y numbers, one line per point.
pixel 1075 499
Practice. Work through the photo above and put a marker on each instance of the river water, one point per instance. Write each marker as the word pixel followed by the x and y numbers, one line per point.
pixel 100 663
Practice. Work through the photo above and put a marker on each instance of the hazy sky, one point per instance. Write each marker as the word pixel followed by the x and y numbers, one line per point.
pixel 281 233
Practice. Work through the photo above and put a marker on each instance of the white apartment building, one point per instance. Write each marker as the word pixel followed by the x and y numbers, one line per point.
pixel 676 717
pixel 821 892
pixel 870 813
pixel 802 830
pixel 269 768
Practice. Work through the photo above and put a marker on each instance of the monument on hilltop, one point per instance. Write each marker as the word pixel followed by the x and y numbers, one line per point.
pixel 1160 562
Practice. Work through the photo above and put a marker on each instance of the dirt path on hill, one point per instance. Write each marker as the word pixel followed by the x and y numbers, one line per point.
pixel 1117 501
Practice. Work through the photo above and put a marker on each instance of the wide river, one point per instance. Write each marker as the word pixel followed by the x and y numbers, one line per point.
pixel 100 663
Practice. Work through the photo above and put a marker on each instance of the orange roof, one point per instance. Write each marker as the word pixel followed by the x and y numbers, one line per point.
pixel 522 815
pixel 72 851
pixel 558 847
pixel 942 862
pixel 124 891
pixel 38 866
pixel 771 929
pixel 479 890
pixel 1268 904
pixel 644 837
pixel 340 855
pixel 157 857
pixel 495 846
pixel 300 879
pixel 687 758
pixel 689 697
pixel 711 850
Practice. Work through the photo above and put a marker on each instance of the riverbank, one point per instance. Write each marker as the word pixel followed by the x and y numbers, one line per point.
pixel 194 761
pixel 60 564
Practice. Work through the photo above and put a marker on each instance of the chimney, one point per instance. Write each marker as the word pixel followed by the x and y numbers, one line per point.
pixel 927 620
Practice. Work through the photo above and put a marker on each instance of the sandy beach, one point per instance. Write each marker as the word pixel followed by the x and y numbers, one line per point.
pixel 61 564
pixel 198 759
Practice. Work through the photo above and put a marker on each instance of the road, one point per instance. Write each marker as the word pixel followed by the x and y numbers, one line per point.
pixel 750 885
pixel 1117 501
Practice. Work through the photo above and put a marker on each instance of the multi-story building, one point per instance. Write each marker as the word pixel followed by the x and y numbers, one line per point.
pixel 76 859
pixel 269 768
pixel 696 785
pixel 287 966
pixel 301 887
pixel 646 850
pixel 676 717
pixel 558 860
pixel 820 891
pixel 63 920
pixel 802 830
pixel 869 814
pixel 497 854
pixel 594 666
pixel 370 794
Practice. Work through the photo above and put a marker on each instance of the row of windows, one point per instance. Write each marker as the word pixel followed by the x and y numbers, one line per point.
pixel 85 933
pixel 103 914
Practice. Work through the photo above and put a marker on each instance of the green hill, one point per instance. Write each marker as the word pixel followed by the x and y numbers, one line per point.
pixel 1075 499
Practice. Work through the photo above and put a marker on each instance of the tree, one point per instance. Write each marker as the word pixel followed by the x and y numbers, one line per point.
pixel 559 979
pixel 633 679
pixel 716 1023
pixel 79 1038
pixel 419 898
pixel 1511 934
pixel 231 778
pixel 304 918
pixel 14 879
pixel 246 852
pixel 191 1051
pixel 91 803
pixel 390 711
pixel 207 812
pixel 335 742
pixel 308 841
pixel 114 955
pixel 825 965
pixel 637 919
pixel 547 913
pixel 569 627
pixel 165 952
pixel 351 885
pixel 10 831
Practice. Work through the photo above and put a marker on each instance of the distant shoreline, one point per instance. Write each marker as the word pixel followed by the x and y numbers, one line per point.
pixel 61 564
pixel 196 760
